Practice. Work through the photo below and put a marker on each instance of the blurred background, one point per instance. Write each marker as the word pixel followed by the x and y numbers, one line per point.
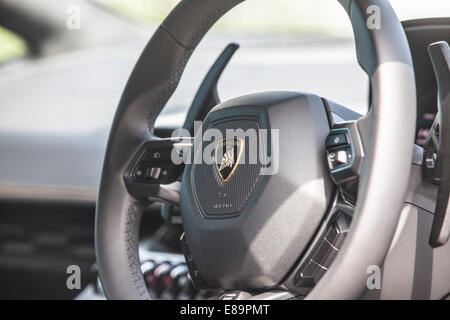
pixel 63 67
pixel 77 75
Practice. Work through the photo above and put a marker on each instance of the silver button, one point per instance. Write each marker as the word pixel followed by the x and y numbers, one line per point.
pixel 342 156
pixel 155 173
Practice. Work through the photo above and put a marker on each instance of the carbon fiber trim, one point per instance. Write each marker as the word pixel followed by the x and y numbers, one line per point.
pixel 215 197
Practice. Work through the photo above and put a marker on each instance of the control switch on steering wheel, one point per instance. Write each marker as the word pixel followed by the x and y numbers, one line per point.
pixel 344 152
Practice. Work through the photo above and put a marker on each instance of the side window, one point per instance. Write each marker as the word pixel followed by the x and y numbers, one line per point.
pixel 11 46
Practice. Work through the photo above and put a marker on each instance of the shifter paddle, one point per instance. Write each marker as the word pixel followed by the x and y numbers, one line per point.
pixel 437 145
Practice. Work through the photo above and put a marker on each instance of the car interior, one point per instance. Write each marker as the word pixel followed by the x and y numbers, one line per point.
pixel 353 202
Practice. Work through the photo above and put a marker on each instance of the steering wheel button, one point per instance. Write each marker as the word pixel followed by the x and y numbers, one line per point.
pixel 335 140
pixel 322 251
pixel 328 260
pixel 331 160
pixel 342 156
pixel 140 174
pixel 155 173
pixel 332 235
pixel 158 154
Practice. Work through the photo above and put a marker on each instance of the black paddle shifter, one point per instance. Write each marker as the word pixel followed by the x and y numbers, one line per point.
pixel 437 145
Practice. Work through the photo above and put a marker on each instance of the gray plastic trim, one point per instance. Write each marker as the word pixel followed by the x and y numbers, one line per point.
pixel 412 268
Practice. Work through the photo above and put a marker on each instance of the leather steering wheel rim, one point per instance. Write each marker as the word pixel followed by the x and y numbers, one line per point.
pixel 384 55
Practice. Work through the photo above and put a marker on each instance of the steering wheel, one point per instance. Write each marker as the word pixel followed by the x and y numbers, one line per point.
pixel 315 226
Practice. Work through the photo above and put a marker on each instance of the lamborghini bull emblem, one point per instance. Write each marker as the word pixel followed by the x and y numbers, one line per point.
pixel 228 154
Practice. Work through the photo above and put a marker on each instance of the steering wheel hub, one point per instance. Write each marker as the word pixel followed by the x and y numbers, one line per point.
pixel 248 231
